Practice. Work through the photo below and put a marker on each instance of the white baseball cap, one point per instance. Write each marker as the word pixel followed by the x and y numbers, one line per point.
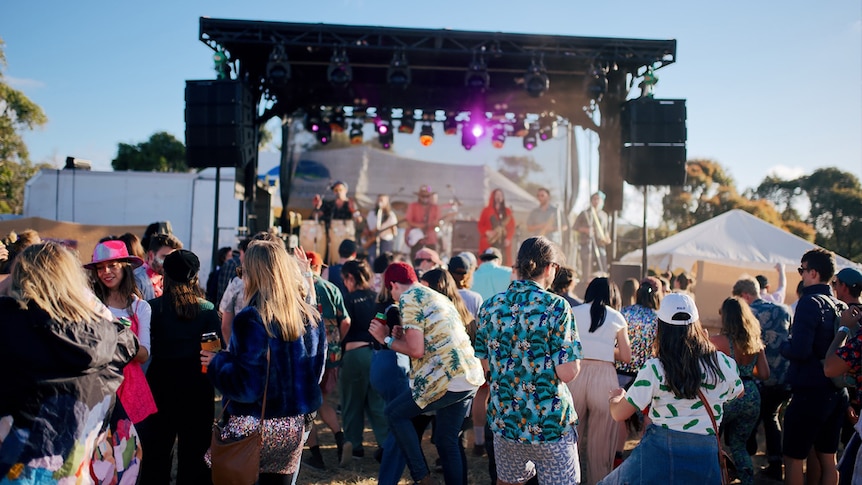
pixel 678 309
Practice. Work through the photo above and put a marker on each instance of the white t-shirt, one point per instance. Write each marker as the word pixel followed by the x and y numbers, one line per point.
pixel 686 415
pixel 144 313
pixel 387 235
pixel 598 345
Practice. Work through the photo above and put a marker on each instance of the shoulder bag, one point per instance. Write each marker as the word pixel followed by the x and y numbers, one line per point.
pixel 725 462
pixel 237 462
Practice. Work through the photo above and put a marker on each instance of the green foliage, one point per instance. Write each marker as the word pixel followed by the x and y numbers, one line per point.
pixel 17 113
pixel 13 178
pixel 161 153
pixel 518 170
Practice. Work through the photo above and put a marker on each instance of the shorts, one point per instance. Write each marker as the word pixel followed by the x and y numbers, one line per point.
pixel 555 462
pixel 329 381
pixel 813 418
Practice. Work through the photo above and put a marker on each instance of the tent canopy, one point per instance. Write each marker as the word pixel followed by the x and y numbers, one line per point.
pixel 734 238
pixel 369 172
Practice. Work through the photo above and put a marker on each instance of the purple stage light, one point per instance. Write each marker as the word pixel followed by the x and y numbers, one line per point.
pixel 477 130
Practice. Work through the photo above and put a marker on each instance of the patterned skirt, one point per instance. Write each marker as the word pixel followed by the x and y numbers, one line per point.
pixel 282 440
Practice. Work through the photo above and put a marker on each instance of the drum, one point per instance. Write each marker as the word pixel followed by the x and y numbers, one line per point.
pixel 339 231
pixel 312 237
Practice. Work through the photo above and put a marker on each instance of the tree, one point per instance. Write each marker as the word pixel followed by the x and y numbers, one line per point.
pixel 161 153
pixel 518 170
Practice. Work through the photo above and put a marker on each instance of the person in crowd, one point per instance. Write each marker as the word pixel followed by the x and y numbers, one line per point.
pixel 799 287
pixel 233 299
pixel 15 244
pixel 490 277
pixel 629 291
pixel 740 338
pixel 229 272
pixel 444 372
pixel 113 282
pixel 223 254
pixel 160 246
pixel 62 352
pixel 814 417
pixel 183 394
pixel 686 385
pixel 604 339
pixel 564 285
pixel 547 219
pixel 142 280
pixel 684 283
pixel 766 293
pixel 330 303
pixel 426 259
pixel 593 228
pixel 528 343
pixel 381 229
pixel 346 252
pixel 358 398
pixel 774 391
pixel 423 217
pixel 497 226
pixel 278 348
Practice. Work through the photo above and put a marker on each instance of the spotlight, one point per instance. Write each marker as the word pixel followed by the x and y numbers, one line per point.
pixel 356 133
pixel 536 80
pixel 337 122
pixel 596 83
pixel 339 72
pixel 468 137
pixel 408 123
pixel 531 139
pixel 520 127
pixel 547 126
pixel 277 69
pixel 426 135
pixel 324 133
pixel 398 74
pixel 313 123
pixel 477 77
pixel 450 124
pixel 498 138
pixel 384 130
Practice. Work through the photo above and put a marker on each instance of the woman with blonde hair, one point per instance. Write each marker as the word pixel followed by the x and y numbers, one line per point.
pixel 62 352
pixel 279 344
pixel 740 338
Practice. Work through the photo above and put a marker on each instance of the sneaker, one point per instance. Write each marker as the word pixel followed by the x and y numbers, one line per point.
pixel 316 462
pixel 346 453
pixel 479 450
pixel 339 444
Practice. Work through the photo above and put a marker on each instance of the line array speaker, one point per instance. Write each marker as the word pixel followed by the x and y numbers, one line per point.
pixel 653 136
pixel 220 129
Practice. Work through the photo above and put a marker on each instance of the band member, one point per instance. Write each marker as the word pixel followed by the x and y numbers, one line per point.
pixel 340 209
pixel 381 229
pixel 497 226
pixel 546 220
pixel 422 218
pixel 593 236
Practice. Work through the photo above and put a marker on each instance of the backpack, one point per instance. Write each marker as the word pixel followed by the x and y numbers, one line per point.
pixel 845 380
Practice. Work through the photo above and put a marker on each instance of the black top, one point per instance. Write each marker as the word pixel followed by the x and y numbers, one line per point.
pixel 174 338
pixel 361 306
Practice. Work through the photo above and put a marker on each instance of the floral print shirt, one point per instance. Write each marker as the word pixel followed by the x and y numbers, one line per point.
pixel 524 333
pixel 449 357
pixel 774 329
pixel 643 322
pixel 851 352
pixel 330 304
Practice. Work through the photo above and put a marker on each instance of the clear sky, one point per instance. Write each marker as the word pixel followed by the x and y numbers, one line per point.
pixel 770 86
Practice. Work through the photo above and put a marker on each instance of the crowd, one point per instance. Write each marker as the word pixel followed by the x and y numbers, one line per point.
pixel 111 383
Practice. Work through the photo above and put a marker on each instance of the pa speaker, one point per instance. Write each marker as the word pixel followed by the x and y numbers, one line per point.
pixel 220 128
pixel 620 272
pixel 655 164
pixel 648 121
pixel 465 237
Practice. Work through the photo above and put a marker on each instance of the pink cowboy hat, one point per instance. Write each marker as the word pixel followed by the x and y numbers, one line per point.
pixel 113 251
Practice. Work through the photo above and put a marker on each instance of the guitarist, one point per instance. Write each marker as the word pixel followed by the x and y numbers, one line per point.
pixel 546 220
pixel 381 229
pixel 422 218
pixel 593 236
pixel 497 226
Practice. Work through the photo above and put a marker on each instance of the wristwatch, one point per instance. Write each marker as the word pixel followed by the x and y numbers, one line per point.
pixel 388 341
pixel 844 329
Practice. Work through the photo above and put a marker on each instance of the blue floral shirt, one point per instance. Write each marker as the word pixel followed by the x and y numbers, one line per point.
pixel 774 329
pixel 524 333
pixel 643 322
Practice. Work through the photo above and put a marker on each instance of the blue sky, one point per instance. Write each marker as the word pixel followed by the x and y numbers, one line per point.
pixel 769 88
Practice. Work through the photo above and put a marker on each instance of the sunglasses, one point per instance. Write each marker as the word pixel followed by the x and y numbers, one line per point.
pixel 802 269
pixel 421 260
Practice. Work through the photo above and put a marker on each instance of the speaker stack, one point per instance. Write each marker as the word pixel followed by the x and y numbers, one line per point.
pixel 220 129
pixel 654 135
pixel 465 237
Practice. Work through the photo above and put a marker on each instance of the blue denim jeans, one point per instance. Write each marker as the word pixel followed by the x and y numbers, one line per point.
pixel 451 409
pixel 670 457
pixel 389 378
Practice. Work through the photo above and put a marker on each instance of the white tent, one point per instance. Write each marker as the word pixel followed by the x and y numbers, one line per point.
pixel 735 238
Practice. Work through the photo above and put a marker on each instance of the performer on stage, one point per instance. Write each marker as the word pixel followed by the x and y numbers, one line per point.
pixel 546 220
pixel 593 236
pixel 497 226
pixel 382 227
pixel 422 218
pixel 338 216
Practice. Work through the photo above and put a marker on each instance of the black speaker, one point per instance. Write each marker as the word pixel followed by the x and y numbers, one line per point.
pixel 220 129
pixel 655 164
pixel 465 237
pixel 653 134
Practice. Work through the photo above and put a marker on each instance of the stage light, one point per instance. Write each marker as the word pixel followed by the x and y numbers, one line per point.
pixel 408 123
pixel 313 123
pixel 520 127
pixel 531 138
pixel 385 137
pixel 498 138
pixel 324 133
pixel 426 135
pixel 450 124
pixel 337 122
pixel 536 80
pixel 398 74
pixel 277 69
pixel 383 124
pixel 468 137
pixel 355 133
pixel 477 77
pixel 596 83
pixel 547 126
pixel 339 72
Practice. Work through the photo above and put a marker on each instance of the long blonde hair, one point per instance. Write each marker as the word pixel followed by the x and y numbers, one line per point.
pixel 271 274
pixel 740 326
pixel 50 275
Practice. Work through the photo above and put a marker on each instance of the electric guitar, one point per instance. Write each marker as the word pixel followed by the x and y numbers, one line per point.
pixel 369 237
pixel 498 233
